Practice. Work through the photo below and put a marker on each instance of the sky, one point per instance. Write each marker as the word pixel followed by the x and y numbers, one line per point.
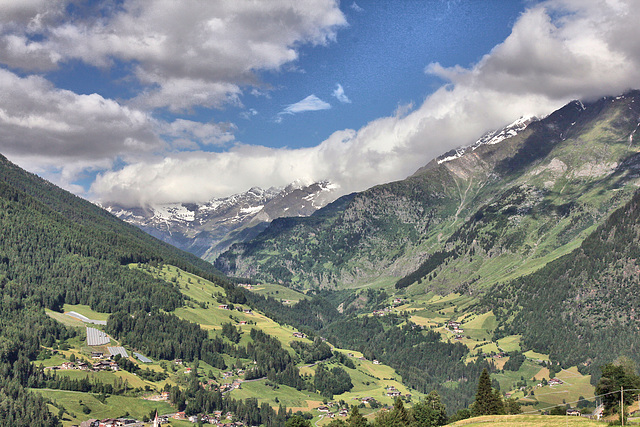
pixel 140 102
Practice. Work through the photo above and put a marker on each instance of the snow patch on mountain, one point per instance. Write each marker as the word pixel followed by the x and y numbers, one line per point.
pixel 491 138
pixel 207 229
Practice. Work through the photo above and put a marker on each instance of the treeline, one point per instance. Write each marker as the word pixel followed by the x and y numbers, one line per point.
pixel 331 381
pixel 58 262
pixel 166 336
pixel 127 242
pixel 308 315
pixel 272 361
pixel 318 350
pixel 24 328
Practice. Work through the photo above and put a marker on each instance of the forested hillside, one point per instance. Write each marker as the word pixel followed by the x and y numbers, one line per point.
pixel 581 308
pixel 54 249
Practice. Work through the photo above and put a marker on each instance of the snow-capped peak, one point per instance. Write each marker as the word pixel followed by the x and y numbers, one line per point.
pixel 491 138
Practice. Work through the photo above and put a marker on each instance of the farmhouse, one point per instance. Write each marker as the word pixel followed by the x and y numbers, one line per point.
pixel 179 416
pixel 223 307
pixel 573 412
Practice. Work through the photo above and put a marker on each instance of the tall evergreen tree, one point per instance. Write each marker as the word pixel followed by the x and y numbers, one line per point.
pixel 488 401
pixel 356 419
pixel 430 412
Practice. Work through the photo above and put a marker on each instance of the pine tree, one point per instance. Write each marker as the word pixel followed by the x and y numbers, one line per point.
pixel 356 419
pixel 488 401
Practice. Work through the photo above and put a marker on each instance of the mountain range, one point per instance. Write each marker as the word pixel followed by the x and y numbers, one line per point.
pixel 499 209
pixel 210 228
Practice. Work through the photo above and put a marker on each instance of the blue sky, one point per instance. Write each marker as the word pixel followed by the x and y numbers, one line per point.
pixel 143 102
pixel 377 58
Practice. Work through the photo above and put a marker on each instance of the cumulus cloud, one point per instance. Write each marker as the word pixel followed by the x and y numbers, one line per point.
pixel 557 51
pixel 39 120
pixel 339 94
pixel 62 135
pixel 188 53
pixel 584 52
pixel 310 103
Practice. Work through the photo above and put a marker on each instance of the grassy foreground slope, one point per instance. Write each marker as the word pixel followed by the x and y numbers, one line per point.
pixel 526 421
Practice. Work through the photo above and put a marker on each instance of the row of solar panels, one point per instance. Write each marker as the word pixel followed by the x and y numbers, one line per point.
pixel 118 350
pixel 97 337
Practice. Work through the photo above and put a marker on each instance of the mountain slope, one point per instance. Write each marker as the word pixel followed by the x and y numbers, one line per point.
pixel 57 249
pixel 488 213
pixel 71 209
pixel 209 229
pixel 587 297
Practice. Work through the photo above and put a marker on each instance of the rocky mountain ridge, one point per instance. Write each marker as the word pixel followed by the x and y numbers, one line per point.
pixel 210 228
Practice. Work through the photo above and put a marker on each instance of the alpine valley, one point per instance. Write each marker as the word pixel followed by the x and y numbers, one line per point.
pixel 516 255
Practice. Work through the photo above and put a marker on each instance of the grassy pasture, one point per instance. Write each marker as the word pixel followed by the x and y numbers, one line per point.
pixel 278 292
pixel 527 421
pixel 114 406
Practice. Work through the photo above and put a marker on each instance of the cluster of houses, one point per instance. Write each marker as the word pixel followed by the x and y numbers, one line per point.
pixel 247 286
pixel 216 418
pixel 383 312
pixel 112 422
pixel 398 301
pixel 551 382
pixel 387 310
pixel 326 409
pixel 456 329
pixel 224 388
pixel 226 307
pixel 101 365
pixel 393 392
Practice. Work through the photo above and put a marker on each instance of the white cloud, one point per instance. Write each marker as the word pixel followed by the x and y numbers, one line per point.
pixel 310 103
pixel 249 113
pixel 557 51
pixel 188 53
pixel 355 7
pixel 37 118
pixel 338 92
pixel 590 49
pixel 62 135
pixel 195 134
